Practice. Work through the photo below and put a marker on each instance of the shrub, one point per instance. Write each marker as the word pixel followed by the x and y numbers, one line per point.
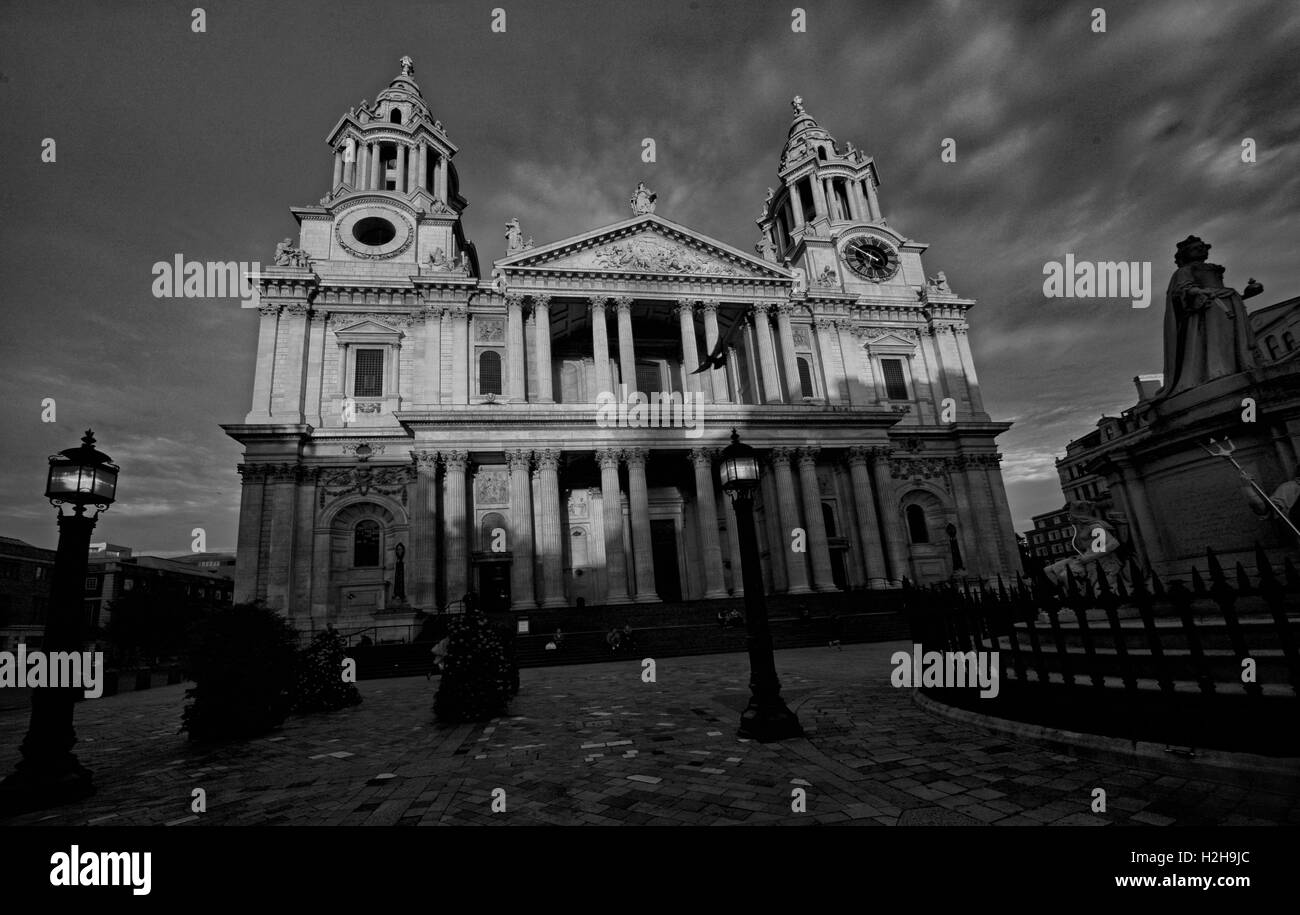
pixel 242 661
pixel 318 684
pixel 476 675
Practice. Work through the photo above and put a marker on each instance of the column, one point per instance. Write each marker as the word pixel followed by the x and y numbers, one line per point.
pixel 733 539
pixel 707 510
pixel 288 383
pixel 422 560
pixel 626 352
pixel 778 558
pixel 600 347
pixel 685 312
pixel 968 369
pixel 639 509
pixel 442 178
pixel 828 346
pixel 766 355
pixel 432 392
pixel 377 168
pixel 788 359
pixel 857 367
pixel 612 516
pixel 820 205
pixel 521 531
pixel 400 184
pixel 928 391
pixel 261 407
pixel 717 376
pixel 796 567
pixel 249 544
pixel 818 546
pixel 972 553
pixel 796 207
pixel 317 323
pixel 460 361
pixel 516 389
pixel 873 554
pixel 279 564
pixel 873 202
pixel 338 169
pixel 362 167
pixel 422 179
pixel 895 543
pixel 858 202
pixel 547 480
pixel 542 346
pixel 455 532
pixel 350 163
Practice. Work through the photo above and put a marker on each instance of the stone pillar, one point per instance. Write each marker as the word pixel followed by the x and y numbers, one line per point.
pixel 639 509
pixel 858 202
pixel 612 516
pixel 927 386
pixel 376 168
pixel 868 525
pixel 796 207
pixel 788 358
pixel 779 556
pixel 626 351
pixel 873 202
pixel 516 389
pixel 718 377
pixel 547 481
pixel 422 559
pixel 521 531
pixel 707 508
pixel 685 311
pixel 972 552
pixel 857 367
pixel 261 407
pixel 442 178
pixel 422 164
pixel 895 542
pixel 460 361
pixel 968 369
pixel 400 182
pixel 820 206
pixel 432 393
pixel 362 168
pixel 733 539
pixel 828 349
pixel 542 346
pixel 766 355
pixel 249 545
pixel 279 565
pixel 796 567
pixel 338 169
pixel 456 533
pixel 350 164
pixel 818 547
pixel 287 387
pixel 600 348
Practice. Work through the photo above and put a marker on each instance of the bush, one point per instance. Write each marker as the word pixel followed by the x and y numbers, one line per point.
pixel 476 675
pixel 242 661
pixel 318 684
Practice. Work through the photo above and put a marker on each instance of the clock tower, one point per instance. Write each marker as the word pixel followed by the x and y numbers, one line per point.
pixel 825 219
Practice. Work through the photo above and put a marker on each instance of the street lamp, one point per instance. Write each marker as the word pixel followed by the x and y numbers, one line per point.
pixel 49 773
pixel 766 718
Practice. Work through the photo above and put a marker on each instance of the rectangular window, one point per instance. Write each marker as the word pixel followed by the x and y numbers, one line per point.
pixel 370 373
pixel 128 585
pixel 648 379
pixel 895 381
pixel 91 584
pixel 805 378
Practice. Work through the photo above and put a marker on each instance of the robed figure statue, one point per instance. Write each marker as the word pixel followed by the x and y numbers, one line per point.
pixel 1207 332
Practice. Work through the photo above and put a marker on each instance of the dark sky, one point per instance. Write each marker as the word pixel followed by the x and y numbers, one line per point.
pixel 1107 146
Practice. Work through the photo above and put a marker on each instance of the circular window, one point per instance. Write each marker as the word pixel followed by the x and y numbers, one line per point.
pixel 374 231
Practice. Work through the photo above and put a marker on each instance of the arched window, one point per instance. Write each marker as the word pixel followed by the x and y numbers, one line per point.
pixel 821 153
pixel 489 372
pixel 396 116
pixel 916 528
pixel 365 544
pixel 828 519
pixel 1271 342
pixel 1288 340
pixel 805 378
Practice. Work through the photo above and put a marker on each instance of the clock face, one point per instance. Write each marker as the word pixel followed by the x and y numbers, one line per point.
pixel 871 258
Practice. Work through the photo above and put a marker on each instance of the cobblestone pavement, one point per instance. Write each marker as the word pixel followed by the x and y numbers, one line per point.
pixel 594 744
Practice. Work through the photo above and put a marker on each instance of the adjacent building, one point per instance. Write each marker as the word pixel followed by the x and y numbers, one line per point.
pixel 25 572
pixel 542 428
pixel 113 572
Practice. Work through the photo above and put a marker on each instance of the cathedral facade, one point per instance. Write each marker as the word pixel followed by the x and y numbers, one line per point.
pixel 542 430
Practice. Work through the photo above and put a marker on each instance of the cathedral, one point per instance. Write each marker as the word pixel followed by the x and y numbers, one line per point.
pixel 542 429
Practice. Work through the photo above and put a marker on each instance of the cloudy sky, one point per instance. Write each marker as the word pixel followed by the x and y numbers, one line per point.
pixel 1106 146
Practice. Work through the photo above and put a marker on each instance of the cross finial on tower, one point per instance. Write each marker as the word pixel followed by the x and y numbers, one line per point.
pixel 408 66
pixel 797 103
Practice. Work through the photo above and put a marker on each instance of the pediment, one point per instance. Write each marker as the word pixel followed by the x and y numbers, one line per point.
pixel 647 244
pixel 884 340
pixel 366 329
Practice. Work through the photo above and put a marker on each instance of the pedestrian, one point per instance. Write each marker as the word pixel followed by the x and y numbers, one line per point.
pixel 837 631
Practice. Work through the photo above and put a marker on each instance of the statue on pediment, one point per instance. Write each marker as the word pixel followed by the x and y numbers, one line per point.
pixel 439 261
pixel 286 255
pixel 939 282
pixel 643 199
pixel 514 237
pixel 765 248
pixel 1207 332
pixel 407 65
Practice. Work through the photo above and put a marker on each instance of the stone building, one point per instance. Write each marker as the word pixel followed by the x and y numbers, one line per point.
pixel 24 592
pixel 535 430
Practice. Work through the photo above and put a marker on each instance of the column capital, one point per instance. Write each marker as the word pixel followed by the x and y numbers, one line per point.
pixel 541 301
pixel 298 308
pixel 808 455
pixel 684 305
pixel 425 461
pixel 636 457
pixel 548 459
pixel 785 309
pixel 702 457
pixel 781 456
pixel 758 310
pixel 825 323
pixel 708 307
pixel 519 459
pixel 858 455
pixel 272 308
pixel 455 461
pixel 428 313
pixel 597 301
pixel 456 311
pixel 514 301
pixel 253 473
pixel 609 457
pixel 623 304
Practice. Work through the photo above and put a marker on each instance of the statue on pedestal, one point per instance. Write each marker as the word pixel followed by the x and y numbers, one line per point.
pixel 643 199
pixel 1207 333
pixel 514 237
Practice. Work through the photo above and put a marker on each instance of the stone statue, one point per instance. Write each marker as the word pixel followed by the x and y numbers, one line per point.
pixel 940 282
pixel 408 66
pixel 765 248
pixel 827 277
pixel 797 104
pixel 528 245
pixel 1207 334
pixel 286 255
pixel 642 200
pixel 1096 543
pixel 438 260
pixel 514 237
pixel 464 262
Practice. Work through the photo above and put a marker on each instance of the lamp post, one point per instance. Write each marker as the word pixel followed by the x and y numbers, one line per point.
pixel 766 718
pixel 49 772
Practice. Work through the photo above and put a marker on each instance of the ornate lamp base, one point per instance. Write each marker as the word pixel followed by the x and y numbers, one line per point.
pixel 769 720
